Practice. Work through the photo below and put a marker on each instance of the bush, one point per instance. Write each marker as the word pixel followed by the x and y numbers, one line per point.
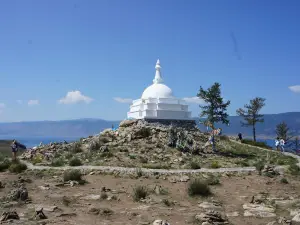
pixel 294 169
pixel 143 132
pixel 139 192
pixel 224 138
pixel 215 165
pixel 213 180
pixel 76 147
pixel 260 144
pixel 106 154
pixel 75 162
pixel 103 196
pixel 57 162
pixel 37 159
pixel 139 172
pixel 284 180
pixel 167 202
pixel 4 165
pixel 72 175
pixel 198 187
pixel 259 166
pixel 143 160
pixel 17 167
pixel 195 165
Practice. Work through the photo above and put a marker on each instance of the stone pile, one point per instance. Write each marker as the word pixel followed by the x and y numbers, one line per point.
pixel 131 136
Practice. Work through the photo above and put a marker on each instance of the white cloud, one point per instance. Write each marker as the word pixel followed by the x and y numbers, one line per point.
pixel 33 102
pixel 194 100
pixel 74 97
pixel 295 88
pixel 123 100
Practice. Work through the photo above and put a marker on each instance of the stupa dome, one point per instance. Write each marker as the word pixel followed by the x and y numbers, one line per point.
pixel 157 91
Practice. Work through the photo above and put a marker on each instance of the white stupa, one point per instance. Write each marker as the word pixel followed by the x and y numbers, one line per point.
pixel 157 102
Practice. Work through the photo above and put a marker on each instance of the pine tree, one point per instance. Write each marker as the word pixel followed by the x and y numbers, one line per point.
pixel 215 109
pixel 251 115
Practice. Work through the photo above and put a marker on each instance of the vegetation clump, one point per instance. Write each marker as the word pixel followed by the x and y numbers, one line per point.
pixel 260 144
pixel 4 165
pixel 57 162
pixel 195 165
pixel 72 175
pixel 139 192
pixel 75 162
pixel 284 181
pixel 215 165
pixel 17 167
pixel 198 187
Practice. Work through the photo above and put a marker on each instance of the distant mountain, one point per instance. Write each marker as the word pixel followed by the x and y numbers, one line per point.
pixel 266 129
pixel 86 127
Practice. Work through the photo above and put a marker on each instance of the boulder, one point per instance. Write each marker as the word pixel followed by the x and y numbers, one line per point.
pixel 160 222
pixel 258 210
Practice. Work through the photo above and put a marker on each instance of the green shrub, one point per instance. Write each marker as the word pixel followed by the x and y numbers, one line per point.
pixel 72 175
pixel 106 154
pixel 76 147
pixel 143 160
pixel 4 165
pixel 195 165
pixel 167 202
pixel 259 166
pixel 57 162
pixel 284 180
pixel 215 165
pixel 198 187
pixel 294 169
pixel 213 180
pixel 244 163
pixel 37 159
pixel 17 167
pixel 139 192
pixel 75 162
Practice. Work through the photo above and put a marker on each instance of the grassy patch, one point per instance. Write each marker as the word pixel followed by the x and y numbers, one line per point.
pixel 260 144
pixel 37 159
pixel 294 169
pixel 57 162
pixel 213 180
pixel 72 175
pixel 106 154
pixel 17 167
pixel 284 181
pixel 75 162
pixel 139 192
pixel 76 147
pixel 4 165
pixel 198 187
pixel 139 172
pixel 195 165
pixel 215 165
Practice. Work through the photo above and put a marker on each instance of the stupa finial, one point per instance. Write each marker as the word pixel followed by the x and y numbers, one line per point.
pixel 157 78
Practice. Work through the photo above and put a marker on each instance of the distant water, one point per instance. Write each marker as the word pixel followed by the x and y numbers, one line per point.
pixel 34 141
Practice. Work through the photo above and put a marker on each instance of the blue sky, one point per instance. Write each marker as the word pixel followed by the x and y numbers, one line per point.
pixel 105 49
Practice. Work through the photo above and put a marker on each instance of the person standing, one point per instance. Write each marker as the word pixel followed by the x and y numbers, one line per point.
pixel 282 142
pixel 240 137
pixel 14 150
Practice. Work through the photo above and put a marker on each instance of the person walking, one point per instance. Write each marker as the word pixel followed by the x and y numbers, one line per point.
pixel 277 143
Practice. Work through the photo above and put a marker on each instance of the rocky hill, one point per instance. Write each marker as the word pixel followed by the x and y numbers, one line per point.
pixel 138 143
pixel 174 178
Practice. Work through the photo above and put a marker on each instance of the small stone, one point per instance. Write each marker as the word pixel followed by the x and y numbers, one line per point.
pixel 91 197
pixel 233 214
pixel 296 220
pixel 160 222
pixel 92 173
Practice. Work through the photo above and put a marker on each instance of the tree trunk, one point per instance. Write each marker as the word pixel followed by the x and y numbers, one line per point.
pixel 254 135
